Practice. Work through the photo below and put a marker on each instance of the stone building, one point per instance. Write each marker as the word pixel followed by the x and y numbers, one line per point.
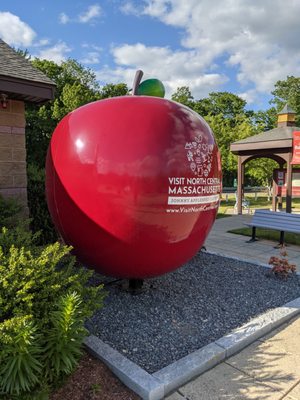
pixel 20 83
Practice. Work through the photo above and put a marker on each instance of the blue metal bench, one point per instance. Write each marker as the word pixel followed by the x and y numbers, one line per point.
pixel 280 221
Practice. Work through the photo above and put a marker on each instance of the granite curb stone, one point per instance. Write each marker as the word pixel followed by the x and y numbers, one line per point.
pixel 133 376
pixel 185 369
pixel 258 327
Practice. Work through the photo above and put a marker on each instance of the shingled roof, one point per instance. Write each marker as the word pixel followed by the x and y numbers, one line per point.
pixel 20 80
pixel 275 138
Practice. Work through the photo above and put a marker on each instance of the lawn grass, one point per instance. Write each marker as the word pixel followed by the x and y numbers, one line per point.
pixel 269 234
pixel 261 201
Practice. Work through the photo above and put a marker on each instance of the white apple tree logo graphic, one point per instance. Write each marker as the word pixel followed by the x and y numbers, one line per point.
pixel 199 156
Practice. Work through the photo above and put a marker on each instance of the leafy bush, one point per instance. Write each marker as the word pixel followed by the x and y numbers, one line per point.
pixel 38 209
pixel 9 212
pixel 44 301
pixel 65 336
pixel 19 236
pixel 20 367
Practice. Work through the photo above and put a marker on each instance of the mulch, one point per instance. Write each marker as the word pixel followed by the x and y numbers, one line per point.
pixel 92 380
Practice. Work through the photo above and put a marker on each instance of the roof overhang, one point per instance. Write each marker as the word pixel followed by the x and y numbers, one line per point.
pixel 28 91
pixel 285 144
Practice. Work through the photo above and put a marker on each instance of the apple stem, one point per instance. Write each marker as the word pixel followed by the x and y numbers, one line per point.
pixel 137 80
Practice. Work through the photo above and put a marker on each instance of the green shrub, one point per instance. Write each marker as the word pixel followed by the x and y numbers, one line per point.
pixel 38 209
pixel 44 301
pixel 10 210
pixel 65 336
pixel 20 236
pixel 20 356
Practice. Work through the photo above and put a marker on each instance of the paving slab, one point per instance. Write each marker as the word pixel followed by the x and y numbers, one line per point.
pixel 190 366
pixel 227 383
pixel 287 339
pixel 272 362
pixel 294 394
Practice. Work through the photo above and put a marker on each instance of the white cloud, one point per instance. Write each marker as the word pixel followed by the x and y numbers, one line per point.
pixel 91 13
pixel 129 8
pixel 87 16
pixel 41 43
pixel 174 69
pixel 14 31
pixel 91 46
pixel 56 53
pixel 259 39
pixel 92 57
pixel 63 18
pixel 250 96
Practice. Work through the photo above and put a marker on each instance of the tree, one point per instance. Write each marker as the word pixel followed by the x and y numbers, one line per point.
pixel 264 120
pixel 260 171
pixel 184 96
pixel 287 91
pixel 225 103
pixel 111 90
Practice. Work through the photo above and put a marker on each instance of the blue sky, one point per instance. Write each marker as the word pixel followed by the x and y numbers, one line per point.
pixel 240 46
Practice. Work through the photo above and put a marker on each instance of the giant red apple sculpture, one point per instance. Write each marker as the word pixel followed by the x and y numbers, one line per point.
pixel 133 184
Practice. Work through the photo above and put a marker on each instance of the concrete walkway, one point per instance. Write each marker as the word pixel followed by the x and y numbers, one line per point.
pixel 231 245
pixel 268 369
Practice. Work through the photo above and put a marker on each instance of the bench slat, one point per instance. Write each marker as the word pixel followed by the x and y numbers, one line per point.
pixel 280 221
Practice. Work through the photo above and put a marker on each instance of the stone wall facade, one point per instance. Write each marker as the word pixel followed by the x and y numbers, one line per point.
pixel 13 176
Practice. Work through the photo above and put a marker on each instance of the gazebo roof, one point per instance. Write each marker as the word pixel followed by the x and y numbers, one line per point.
pixel 281 137
pixel 287 110
pixel 20 80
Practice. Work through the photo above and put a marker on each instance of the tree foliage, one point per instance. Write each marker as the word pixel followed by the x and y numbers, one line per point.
pixel 260 171
pixel 227 104
pixel 184 96
pixel 288 91
pixel 264 120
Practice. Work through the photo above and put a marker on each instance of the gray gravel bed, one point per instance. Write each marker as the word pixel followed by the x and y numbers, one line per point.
pixel 182 311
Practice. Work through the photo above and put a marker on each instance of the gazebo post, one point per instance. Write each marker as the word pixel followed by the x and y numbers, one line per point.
pixel 240 185
pixel 277 199
pixel 274 190
pixel 281 166
pixel 289 170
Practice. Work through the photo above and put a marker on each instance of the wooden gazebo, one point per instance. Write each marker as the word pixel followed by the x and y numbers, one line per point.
pixel 276 144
